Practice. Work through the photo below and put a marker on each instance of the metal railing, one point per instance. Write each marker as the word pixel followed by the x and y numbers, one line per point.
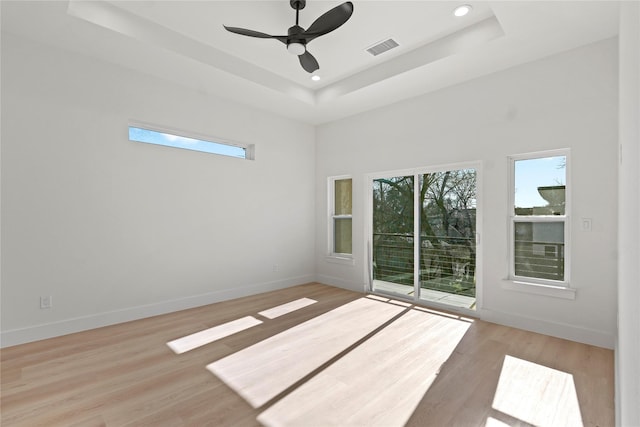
pixel 541 260
pixel 446 263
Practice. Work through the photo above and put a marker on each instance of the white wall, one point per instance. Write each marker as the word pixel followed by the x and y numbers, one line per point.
pixel 115 230
pixel 568 100
pixel 628 342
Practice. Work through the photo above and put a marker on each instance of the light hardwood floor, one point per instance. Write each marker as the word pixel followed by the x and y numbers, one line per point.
pixel 311 355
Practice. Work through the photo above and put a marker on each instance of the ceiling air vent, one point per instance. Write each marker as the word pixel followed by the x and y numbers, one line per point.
pixel 382 47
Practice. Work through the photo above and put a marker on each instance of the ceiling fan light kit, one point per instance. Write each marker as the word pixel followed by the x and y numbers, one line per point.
pixel 296 48
pixel 297 37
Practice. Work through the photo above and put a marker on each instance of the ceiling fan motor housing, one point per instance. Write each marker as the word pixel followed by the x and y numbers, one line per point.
pixel 295 35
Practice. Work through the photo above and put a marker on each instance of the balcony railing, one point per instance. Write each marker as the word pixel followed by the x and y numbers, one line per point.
pixel 542 260
pixel 446 263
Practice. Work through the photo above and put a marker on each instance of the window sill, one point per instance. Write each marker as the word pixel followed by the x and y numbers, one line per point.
pixel 538 289
pixel 337 259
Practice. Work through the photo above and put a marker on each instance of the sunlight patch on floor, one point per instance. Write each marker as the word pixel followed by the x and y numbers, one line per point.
pixel 190 342
pixel 289 307
pixel 492 422
pixel 263 371
pixel 378 383
pixel 536 394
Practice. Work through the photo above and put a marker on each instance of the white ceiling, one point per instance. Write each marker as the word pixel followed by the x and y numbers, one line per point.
pixel 185 42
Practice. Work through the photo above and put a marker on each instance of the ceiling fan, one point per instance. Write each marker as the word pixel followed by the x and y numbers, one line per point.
pixel 297 37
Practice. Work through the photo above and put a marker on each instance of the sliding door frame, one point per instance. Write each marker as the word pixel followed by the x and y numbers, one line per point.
pixel 368 232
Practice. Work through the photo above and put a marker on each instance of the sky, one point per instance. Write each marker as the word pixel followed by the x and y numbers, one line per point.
pixel 533 173
pixel 169 140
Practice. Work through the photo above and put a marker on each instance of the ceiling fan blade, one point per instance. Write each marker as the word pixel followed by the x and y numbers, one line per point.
pixel 252 33
pixel 308 62
pixel 329 21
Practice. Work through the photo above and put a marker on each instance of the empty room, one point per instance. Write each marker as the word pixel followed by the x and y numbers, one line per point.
pixel 320 213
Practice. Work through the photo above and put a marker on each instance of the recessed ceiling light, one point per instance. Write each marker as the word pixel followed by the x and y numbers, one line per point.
pixel 315 78
pixel 462 10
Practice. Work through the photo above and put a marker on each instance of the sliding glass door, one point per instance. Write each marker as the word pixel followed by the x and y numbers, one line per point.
pixel 423 238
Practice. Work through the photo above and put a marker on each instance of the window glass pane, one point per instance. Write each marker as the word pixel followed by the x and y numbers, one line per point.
pixel 343 197
pixel 540 186
pixel 393 233
pixel 169 140
pixel 448 234
pixel 342 235
pixel 539 250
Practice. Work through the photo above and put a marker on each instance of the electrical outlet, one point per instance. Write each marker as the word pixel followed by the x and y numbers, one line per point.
pixel 46 301
pixel 276 267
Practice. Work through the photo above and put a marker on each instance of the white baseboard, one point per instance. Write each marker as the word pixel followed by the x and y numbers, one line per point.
pixel 555 329
pixel 341 283
pixel 78 324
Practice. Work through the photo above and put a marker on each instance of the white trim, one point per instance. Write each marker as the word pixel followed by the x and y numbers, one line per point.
pixel 479 240
pixel 417 250
pixel 339 282
pixel 539 289
pixel 557 152
pixel 423 169
pixel 340 259
pixel 512 218
pixel 556 329
pixel 83 323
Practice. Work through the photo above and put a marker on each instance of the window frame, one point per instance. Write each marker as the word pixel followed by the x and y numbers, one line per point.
pixel 544 286
pixel 249 149
pixel 333 256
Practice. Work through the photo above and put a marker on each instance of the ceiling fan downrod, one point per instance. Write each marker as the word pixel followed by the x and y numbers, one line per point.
pixel 296 44
pixel 298 5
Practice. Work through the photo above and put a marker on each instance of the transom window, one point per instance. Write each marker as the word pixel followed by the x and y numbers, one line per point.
pixel 153 135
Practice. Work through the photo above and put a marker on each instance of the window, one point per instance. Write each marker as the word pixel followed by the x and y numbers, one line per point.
pixel 539 212
pixel 340 201
pixel 160 137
